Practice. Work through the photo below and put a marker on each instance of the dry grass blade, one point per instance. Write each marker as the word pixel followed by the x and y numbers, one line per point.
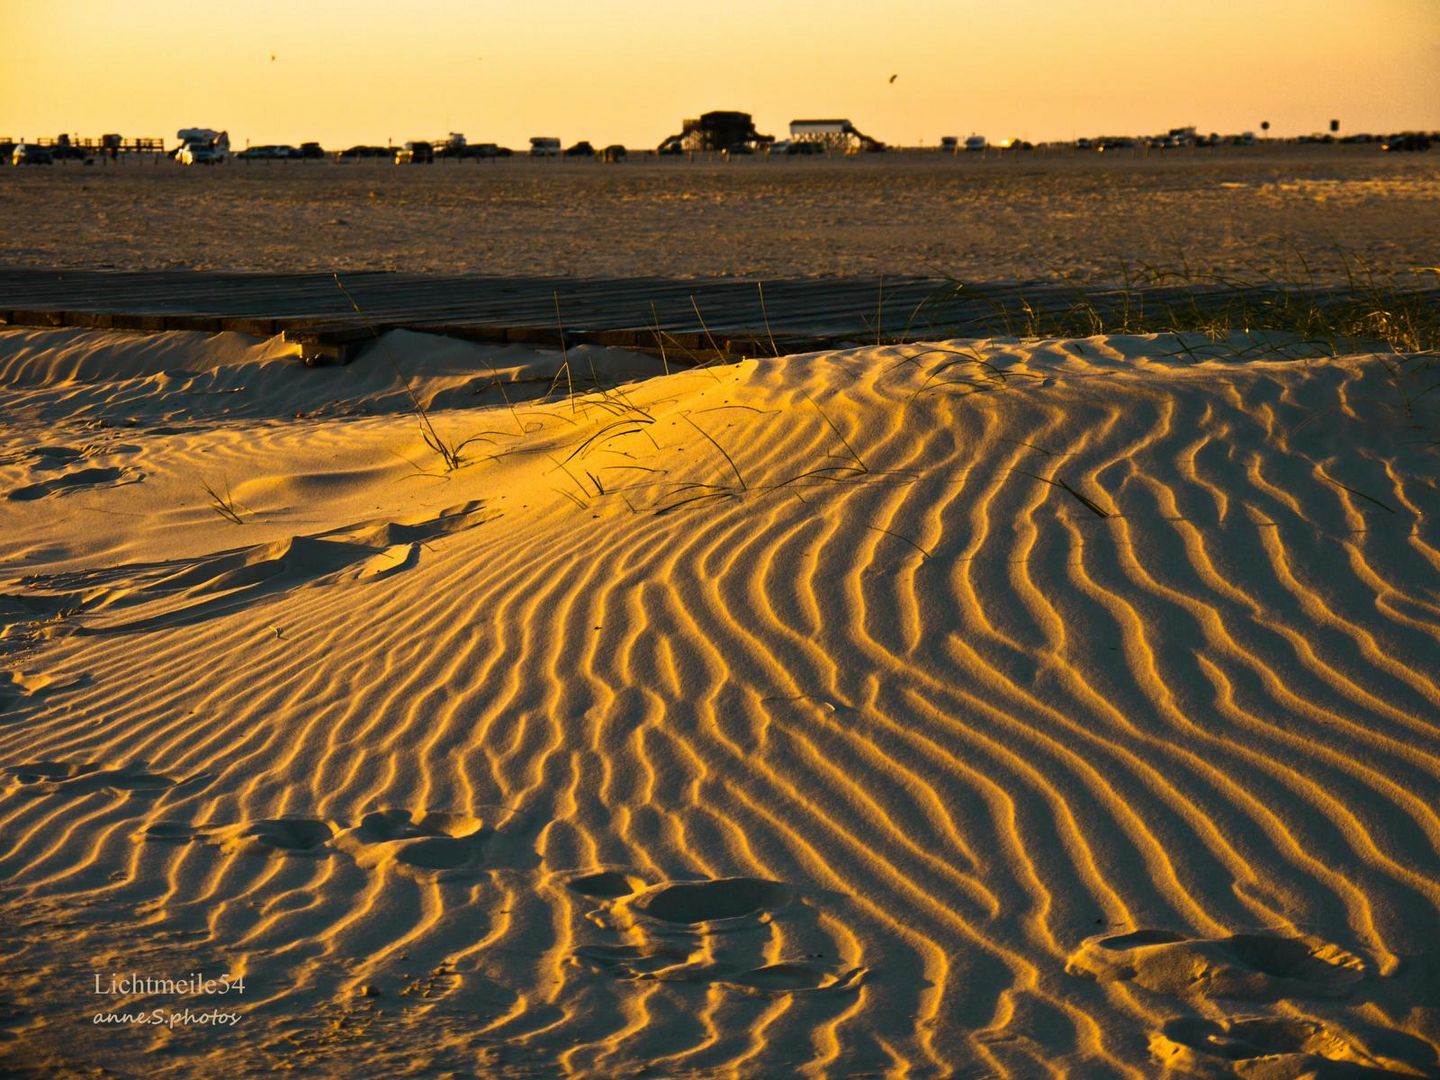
pixel 733 467
pixel 660 338
pixel 225 505
pixel 708 336
pixel 433 439
pixel 606 431
pixel 899 536
pixel 1055 481
pixel 1360 494
pixel 859 461
pixel 765 316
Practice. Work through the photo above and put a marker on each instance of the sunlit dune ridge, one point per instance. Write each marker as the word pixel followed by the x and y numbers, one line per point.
pixel 1058 708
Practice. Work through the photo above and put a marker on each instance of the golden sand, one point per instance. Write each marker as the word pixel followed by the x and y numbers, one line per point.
pixel 1024 709
pixel 1295 211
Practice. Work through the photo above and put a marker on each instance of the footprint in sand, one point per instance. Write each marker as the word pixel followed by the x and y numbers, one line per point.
pixel 421 844
pixel 712 932
pixel 81 778
pixel 607 884
pixel 18 688
pixel 1250 967
pixel 692 902
pixel 271 836
pixel 1265 1046
pixel 275 836
pixel 85 478
pixel 58 457
pixel 426 845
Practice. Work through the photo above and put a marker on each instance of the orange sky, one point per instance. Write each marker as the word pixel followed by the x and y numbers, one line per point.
pixel 616 71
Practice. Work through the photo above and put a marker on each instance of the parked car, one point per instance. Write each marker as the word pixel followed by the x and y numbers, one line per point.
pixel 580 149
pixel 355 152
pixel 310 150
pixel 613 152
pixel 30 154
pixel 64 150
pixel 268 153
pixel 1406 143
pixel 416 153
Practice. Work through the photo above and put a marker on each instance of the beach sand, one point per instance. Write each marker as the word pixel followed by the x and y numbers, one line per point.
pixel 982 708
pixel 1295 211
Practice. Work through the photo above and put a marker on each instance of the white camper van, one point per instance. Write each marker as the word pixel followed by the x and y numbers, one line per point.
pixel 202 146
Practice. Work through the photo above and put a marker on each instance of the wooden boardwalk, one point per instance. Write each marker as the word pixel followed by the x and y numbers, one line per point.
pixel 332 317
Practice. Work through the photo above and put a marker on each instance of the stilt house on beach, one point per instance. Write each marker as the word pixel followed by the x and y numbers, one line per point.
pixel 718 130
pixel 837 136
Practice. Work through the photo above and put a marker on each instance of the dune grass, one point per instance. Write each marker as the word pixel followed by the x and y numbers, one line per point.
pixel 1398 310
pixel 225 505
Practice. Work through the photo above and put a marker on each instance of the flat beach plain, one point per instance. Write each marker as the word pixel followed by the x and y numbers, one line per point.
pixel 1017 216
pixel 1014 708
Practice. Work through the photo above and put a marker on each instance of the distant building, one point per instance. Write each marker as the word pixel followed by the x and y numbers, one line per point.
pixel 718 130
pixel 837 135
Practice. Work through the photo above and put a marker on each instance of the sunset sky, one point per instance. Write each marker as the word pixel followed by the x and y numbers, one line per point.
pixel 628 71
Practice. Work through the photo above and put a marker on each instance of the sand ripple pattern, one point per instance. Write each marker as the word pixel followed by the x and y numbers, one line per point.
pixel 979 709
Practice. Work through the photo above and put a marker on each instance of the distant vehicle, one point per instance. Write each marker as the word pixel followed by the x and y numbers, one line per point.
pixel 544 146
pixel 485 150
pixel 580 149
pixel 779 146
pixel 62 149
pixel 976 142
pixel 268 153
pixel 416 153
pixel 310 150
pixel 806 148
pixel 454 146
pixel 30 154
pixel 614 152
pixel 198 154
pixel 355 152
pixel 1408 143
pixel 949 143
pixel 738 149
pixel 202 146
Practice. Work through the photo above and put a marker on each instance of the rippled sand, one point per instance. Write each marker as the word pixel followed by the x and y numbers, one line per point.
pixel 1289 210
pixel 1062 708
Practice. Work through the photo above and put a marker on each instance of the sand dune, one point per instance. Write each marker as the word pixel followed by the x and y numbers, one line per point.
pixel 1058 708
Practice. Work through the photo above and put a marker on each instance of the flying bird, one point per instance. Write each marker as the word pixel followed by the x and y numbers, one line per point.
pixel 894 77
pixel 272 57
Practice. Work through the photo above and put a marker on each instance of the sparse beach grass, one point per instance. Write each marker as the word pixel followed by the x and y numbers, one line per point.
pixel 1398 310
